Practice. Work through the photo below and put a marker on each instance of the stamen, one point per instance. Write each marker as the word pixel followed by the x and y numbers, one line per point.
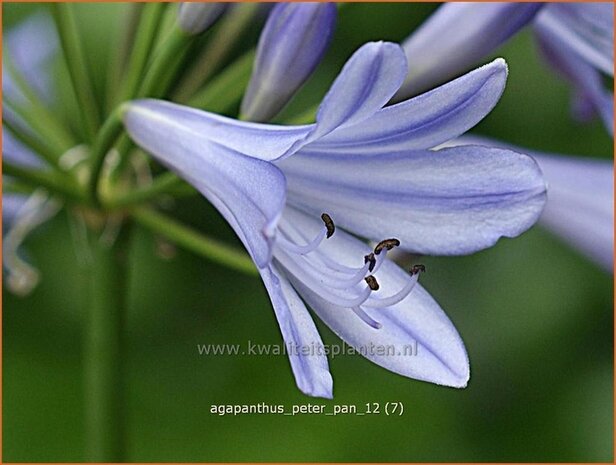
pixel 418 269
pixel 302 249
pixel 329 224
pixel 331 277
pixel 289 261
pixel 366 318
pixel 375 302
pixel 386 244
pixel 370 259
pixel 372 282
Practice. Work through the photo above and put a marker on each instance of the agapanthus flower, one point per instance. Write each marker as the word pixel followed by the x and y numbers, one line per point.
pixel 29 46
pixel 300 197
pixel 293 41
pixel 456 37
pixel 576 38
pixel 580 207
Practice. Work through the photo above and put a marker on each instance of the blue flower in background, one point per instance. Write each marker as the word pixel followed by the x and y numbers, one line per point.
pixel 580 208
pixel 370 170
pixel 291 46
pixel 30 46
pixel 577 39
pixel 458 36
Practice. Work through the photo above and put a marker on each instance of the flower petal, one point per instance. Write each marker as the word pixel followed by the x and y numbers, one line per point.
pixel 580 207
pixel 440 358
pixel 304 346
pixel 257 140
pixel 587 28
pixel 250 193
pixel 586 79
pixel 426 120
pixel 366 83
pixel 196 17
pixel 294 39
pixel 456 37
pixel 447 202
pixel 30 45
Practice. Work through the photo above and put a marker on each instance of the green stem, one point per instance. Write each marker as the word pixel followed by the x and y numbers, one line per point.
pixel 106 138
pixel 174 46
pixel 82 84
pixel 144 42
pixel 227 88
pixel 103 351
pixel 122 50
pixel 161 185
pixel 220 45
pixel 37 178
pixel 192 240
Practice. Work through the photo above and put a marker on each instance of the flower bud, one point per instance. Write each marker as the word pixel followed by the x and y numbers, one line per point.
pixel 291 46
pixel 196 17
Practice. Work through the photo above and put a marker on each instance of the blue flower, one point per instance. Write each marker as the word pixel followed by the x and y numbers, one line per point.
pixel 580 209
pixel 458 36
pixel 29 46
pixel 577 39
pixel 291 46
pixel 370 171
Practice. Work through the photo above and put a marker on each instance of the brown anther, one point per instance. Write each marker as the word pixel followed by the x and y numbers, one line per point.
pixel 416 269
pixel 329 224
pixel 370 258
pixel 373 284
pixel 386 244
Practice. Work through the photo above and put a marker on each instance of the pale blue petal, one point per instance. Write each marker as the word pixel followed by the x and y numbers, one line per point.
pixel 364 86
pixel 580 201
pixel 196 17
pixel 366 83
pixel 585 78
pixel 456 37
pixel 580 207
pixel 30 45
pixel 294 39
pixel 588 29
pixel 15 152
pixel 253 191
pixel 11 206
pixel 263 141
pixel 304 346
pixel 441 357
pixel 426 120
pixel 447 202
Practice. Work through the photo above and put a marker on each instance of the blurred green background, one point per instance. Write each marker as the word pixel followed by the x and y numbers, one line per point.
pixel 537 320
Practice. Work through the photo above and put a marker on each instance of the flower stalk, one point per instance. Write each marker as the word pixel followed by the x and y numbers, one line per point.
pixel 103 385
pixel 190 239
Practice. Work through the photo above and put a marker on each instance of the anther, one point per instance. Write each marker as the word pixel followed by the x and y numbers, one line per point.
pixel 416 269
pixel 329 224
pixel 373 284
pixel 370 258
pixel 386 244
